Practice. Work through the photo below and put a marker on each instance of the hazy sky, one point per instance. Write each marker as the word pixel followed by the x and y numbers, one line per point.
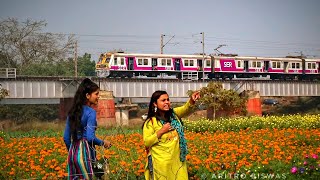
pixel 246 27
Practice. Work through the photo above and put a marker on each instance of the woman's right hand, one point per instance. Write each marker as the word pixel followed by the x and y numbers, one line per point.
pixel 165 128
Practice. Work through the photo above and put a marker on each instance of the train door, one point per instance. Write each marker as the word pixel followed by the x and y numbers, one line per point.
pixel 177 64
pixel 285 67
pixel 154 63
pixel 130 63
pixel 213 64
pixel 200 64
pixel 266 66
pixel 246 66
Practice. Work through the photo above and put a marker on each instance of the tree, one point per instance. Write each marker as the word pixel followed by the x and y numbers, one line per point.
pixel 23 44
pixel 60 68
pixel 86 67
pixel 215 98
pixel 3 92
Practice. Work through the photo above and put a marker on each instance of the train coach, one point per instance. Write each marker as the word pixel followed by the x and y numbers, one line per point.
pixel 194 67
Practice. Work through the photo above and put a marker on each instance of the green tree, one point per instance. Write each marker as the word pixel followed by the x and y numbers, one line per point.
pixel 3 92
pixel 60 68
pixel 86 67
pixel 215 98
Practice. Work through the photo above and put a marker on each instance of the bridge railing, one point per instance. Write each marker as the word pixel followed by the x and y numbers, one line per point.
pixel 8 73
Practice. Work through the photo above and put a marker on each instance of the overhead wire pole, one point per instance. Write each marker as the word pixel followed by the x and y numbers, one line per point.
pixel 202 56
pixel 76 59
pixel 161 42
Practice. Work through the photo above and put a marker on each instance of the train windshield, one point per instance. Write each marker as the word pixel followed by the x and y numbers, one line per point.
pixel 104 61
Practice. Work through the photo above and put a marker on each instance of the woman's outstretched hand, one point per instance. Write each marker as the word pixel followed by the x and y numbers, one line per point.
pixel 194 97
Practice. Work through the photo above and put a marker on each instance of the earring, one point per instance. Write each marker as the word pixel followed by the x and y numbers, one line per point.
pixel 155 109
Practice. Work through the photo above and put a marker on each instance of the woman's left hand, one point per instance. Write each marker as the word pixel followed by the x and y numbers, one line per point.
pixel 107 144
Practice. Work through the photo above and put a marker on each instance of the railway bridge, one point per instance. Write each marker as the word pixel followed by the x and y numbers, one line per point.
pixel 49 90
pixel 60 90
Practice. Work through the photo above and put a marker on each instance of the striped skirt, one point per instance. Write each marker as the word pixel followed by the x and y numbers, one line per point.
pixel 79 160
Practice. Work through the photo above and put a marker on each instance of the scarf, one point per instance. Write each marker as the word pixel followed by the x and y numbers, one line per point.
pixel 175 123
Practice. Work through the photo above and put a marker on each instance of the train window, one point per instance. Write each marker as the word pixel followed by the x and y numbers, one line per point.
pixel 163 62
pixel 254 64
pixel 276 65
pixel 208 63
pixel 295 65
pixel 115 61
pixel 188 62
pixel 122 61
pixel 191 62
pixel 311 65
pixel 258 64
pixel 238 64
pixel 145 61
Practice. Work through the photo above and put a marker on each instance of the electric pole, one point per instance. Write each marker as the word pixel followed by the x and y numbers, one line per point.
pixel 202 56
pixel 161 44
pixel 76 59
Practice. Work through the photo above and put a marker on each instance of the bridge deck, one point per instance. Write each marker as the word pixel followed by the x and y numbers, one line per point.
pixel 46 89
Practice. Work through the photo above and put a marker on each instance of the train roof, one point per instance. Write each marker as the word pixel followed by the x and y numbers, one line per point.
pixel 199 56
pixel 258 58
pixel 161 55
pixel 313 59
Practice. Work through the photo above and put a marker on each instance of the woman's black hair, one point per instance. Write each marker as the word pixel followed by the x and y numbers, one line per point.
pixel 151 111
pixel 86 87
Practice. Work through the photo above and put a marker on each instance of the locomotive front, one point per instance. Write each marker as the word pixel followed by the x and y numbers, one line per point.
pixel 103 65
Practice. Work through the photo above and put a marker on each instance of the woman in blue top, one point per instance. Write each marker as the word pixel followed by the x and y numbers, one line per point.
pixel 79 134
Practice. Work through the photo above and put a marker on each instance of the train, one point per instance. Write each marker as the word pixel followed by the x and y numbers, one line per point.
pixel 202 66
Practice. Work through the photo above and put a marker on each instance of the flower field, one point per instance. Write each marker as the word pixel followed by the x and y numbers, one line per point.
pixel 245 149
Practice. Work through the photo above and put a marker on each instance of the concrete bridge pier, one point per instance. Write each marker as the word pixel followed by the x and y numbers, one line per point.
pixel 122 113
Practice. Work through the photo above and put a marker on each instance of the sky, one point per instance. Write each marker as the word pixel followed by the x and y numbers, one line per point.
pixel 274 28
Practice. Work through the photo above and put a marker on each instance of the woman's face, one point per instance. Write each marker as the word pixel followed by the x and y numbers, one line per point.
pixel 163 103
pixel 93 97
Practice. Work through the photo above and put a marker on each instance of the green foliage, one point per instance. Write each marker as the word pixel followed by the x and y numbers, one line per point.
pixel 62 68
pixel 86 67
pixel 215 97
pixel 34 133
pixel 308 168
pixel 3 93
pixel 253 123
pixel 25 113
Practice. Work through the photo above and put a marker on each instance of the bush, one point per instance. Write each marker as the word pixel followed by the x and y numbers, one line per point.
pixel 253 123
pixel 24 113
